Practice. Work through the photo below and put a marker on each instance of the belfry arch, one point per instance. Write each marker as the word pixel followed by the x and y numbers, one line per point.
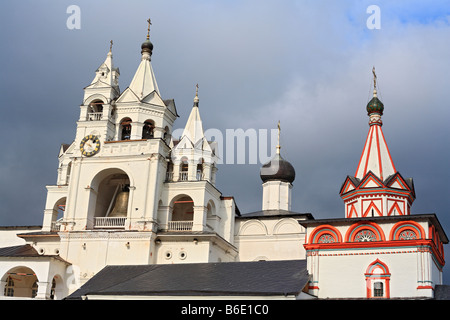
pixel 110 196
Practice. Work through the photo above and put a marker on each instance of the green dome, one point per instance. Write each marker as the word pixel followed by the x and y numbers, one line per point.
pixel 375 106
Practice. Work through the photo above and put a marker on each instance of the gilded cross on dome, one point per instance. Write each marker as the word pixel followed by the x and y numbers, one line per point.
pixel 374 78
pixel 148 29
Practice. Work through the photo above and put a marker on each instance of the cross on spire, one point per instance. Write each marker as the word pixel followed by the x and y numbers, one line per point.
pixel 148 29
pixel 110 45
pixel 279 130
pixel 374 79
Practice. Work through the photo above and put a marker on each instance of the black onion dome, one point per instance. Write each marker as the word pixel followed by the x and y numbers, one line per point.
pixel 147 46
pixel 277 169
pixel 375 106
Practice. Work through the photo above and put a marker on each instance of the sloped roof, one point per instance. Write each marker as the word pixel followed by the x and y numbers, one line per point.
pixel 260 278
pixel 26 250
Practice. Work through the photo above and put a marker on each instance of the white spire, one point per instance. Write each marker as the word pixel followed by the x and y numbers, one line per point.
pixel 143 85
pixel 144 80
pixel 106 73
pixel 194 126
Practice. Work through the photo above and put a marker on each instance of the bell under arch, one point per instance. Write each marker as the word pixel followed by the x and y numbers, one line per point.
pixel 110 194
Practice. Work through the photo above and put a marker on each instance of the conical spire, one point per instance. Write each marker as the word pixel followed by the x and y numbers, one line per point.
pixel 375 156
pixel 194 127
pixel 106 72
pixel 144 80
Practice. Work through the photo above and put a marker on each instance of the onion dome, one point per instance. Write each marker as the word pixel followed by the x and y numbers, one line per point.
pixel 375 105
pixel 147 46
pixel 277 169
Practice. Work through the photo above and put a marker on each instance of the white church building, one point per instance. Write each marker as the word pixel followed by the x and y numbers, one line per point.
pixel 136 214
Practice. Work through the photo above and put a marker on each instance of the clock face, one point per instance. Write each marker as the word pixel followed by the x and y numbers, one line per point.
pixel 90 145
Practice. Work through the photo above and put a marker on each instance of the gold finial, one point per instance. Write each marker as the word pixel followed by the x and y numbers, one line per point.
pixel 196 90
pixel 148 29
pixel 278 146
pixel 110 45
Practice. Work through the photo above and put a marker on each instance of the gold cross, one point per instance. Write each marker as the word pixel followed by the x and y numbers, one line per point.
pixel 196 89
pixel 110 46
pixel 374 78
pixel 148 29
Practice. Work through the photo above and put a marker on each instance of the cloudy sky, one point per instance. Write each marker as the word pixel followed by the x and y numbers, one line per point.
pixel 305 63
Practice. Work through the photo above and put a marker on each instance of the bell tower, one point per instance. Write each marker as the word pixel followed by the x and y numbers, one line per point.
pixel 97 110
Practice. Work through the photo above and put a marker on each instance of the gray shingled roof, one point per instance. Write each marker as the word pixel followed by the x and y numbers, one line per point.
pixel 442 292
pixel 19 251
pixel 260 278
pixel 26 250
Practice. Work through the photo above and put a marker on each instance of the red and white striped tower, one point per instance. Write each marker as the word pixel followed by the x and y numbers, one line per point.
pixel 377 189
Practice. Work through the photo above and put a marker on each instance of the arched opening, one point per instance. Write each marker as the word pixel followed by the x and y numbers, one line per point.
pixel 167 135
pixel 58 210
pixel 109 199
pixel 69 170
pixel 125 129
pixel 148 129
pixel 199 172
pixel 56 288
pixel 20 282
pixel 184 169
pixel 210 209
pixel 169 173
pixel 182 214
pixel 212 219
pixel 95 110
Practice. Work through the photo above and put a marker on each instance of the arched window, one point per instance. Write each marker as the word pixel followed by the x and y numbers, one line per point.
pixel 199 173
pixel 407 230
pixel 326 238
pixel 169 173
pixel 125 129
pixel 325 234
pixel 364 231
pixel 365 235
pixel 34 289
pixel 9 287
pixel 184 168
pixel 377 280
pixel 148 129
pixel 95 110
